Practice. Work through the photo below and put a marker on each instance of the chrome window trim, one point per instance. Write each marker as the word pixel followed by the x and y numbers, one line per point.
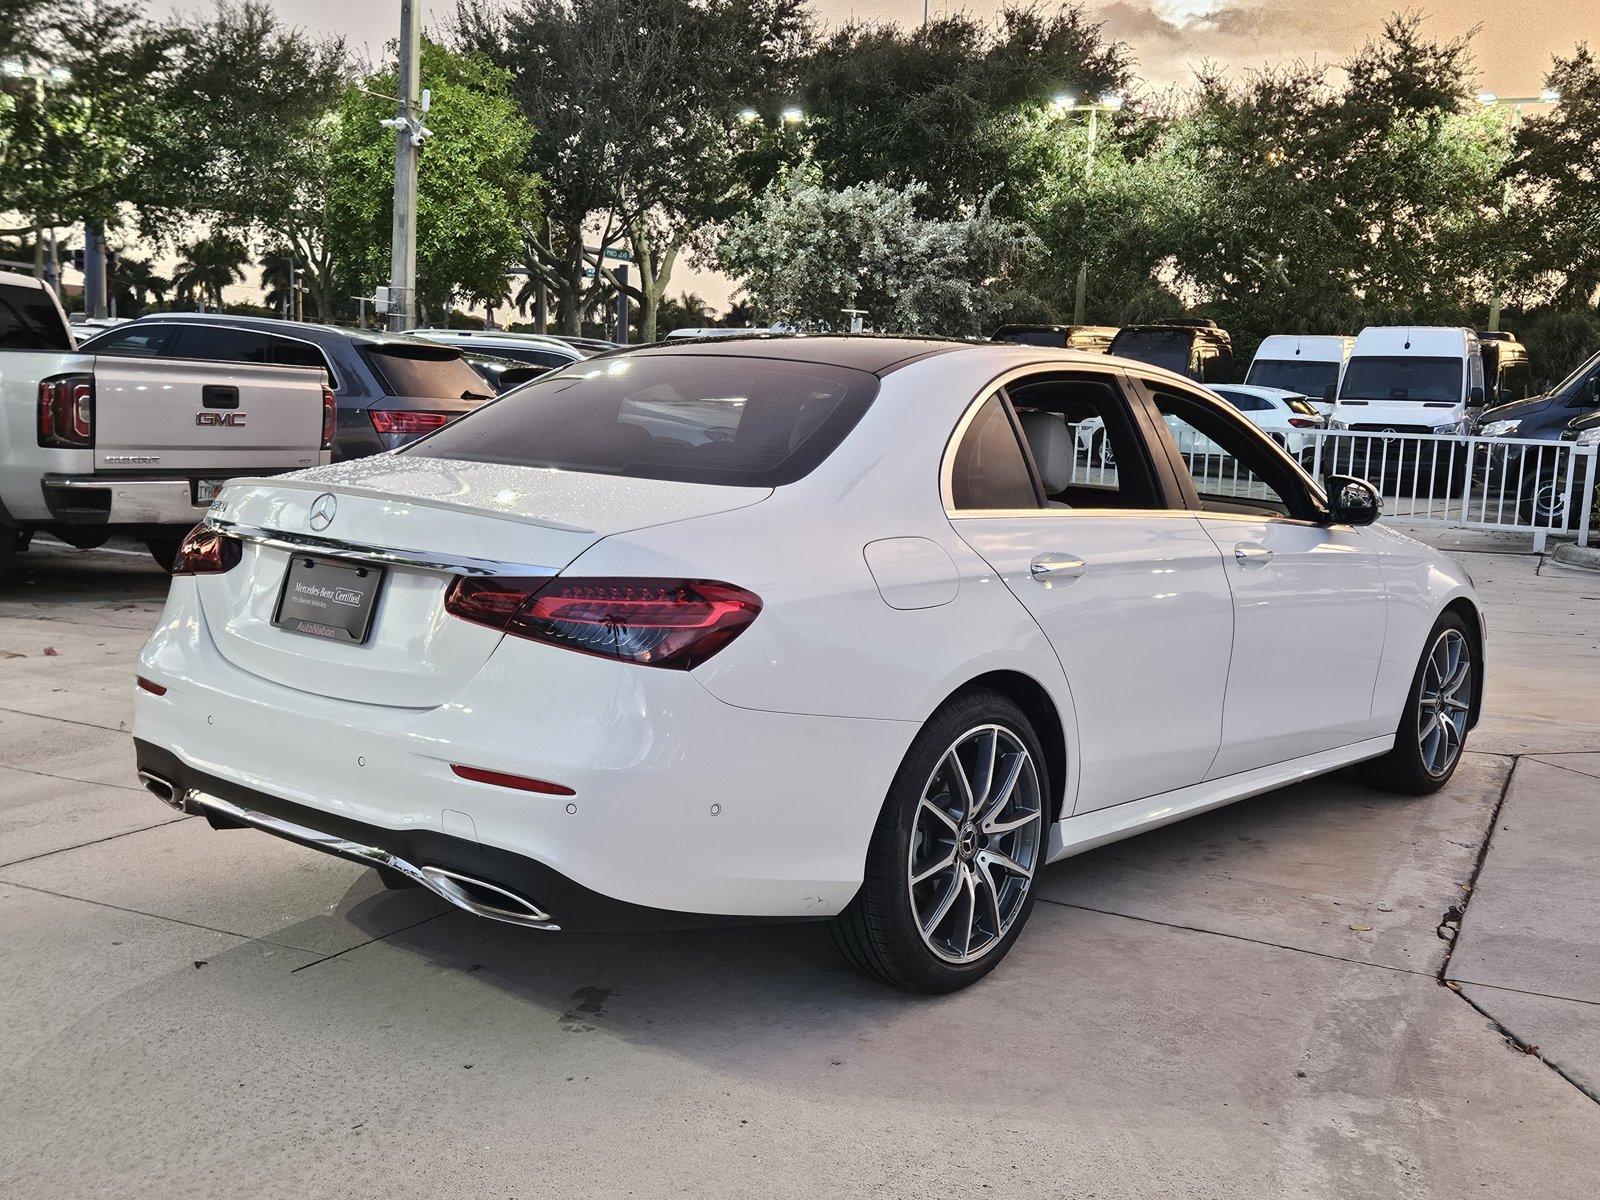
pixel 303 543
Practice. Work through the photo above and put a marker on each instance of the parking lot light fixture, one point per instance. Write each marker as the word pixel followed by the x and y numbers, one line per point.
pixel 1064 101
pixel 1111 101
pixel 12 67
pixel 791 115
pixel 60 75
pixel 1550 96
pixel 1487 98
pixel 748 114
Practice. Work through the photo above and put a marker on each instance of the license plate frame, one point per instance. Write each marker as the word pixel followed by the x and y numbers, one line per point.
pixel 328 599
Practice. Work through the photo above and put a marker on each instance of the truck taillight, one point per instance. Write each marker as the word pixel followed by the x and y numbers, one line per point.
pixel 66 411
pixel 673 623
pixel 407 420
pixel 330 417
pixel 206 551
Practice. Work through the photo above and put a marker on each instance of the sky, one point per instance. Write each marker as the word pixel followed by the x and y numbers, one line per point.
pixel 1168 37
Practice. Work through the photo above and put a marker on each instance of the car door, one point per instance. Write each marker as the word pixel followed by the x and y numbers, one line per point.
pixel 1129 591
pixel 1308 597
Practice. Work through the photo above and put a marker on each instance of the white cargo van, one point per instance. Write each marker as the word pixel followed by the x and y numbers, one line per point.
pixel 1307 364
pixel 1411 379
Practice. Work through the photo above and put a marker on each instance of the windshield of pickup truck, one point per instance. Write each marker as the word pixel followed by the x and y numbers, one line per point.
pixel 1309 378
pixel 428 372
pixel 30 320
pixel 1401 377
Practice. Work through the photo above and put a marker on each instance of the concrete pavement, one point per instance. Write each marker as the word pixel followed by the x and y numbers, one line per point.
pixel 1245 1004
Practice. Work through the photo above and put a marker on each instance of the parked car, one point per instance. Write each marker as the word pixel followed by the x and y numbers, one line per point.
pixel 862 649
pixel 1309 365
pixel 390 389
pixel 1069 337
pixel 533 349
pixel 1535 479
pixel 1195 347
pixel 502 374
pixel 1286 417
pixel 92 445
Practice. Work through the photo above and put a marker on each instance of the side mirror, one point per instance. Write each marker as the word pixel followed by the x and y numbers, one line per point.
pixel 1352 501
pixel 1475 396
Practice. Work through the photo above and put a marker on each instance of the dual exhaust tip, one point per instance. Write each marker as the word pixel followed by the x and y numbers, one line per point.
pixel 466 892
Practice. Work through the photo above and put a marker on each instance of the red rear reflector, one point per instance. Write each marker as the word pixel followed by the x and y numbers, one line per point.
pixel 407 421
pixel 520 782
pixel 149 685
pixel 205 551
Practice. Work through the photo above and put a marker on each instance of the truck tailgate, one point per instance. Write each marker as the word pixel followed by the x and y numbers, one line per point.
pixel 167 414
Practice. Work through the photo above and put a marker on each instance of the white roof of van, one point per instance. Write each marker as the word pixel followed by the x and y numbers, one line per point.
pixel 1317 347
pixel 1439 340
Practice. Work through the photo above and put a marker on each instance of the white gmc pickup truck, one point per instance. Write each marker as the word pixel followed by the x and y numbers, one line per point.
pixel 91 446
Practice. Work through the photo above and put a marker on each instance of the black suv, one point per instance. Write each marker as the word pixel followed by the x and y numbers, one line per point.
pixel 1192 346
pixel 390 389
pixel 1528 469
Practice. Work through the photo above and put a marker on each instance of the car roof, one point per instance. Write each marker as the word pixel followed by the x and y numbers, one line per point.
pixel 1415 339
pixel 1267 393
pixel 489 341
pixel 1312 346
pixel 873 353
pixel 15 278
pixel 307 331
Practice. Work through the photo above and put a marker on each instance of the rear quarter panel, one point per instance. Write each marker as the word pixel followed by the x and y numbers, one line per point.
pixel 23 462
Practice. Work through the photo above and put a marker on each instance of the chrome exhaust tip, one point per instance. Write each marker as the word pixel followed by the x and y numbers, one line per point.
pixel 482 898
pixel 162 790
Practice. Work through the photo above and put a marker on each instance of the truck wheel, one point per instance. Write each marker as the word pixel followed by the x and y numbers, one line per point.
pixel 164 549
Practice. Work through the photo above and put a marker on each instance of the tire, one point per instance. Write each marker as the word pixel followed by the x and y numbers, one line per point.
pixel 976 887
pixel 1542 503
pixel 1416 765
pixel 164 549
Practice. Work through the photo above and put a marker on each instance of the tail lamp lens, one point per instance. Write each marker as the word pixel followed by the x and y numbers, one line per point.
pixel 672 623
pixel 330 415
pixel 1304 422
pixel 407 421
pixel 205 551
pixel 66 411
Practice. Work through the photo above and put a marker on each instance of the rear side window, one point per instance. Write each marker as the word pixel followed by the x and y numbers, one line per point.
pixel 748 422
pixel 220 344
pixel 424 372
pixel 30 320
pixel 989 469
pixel 290 352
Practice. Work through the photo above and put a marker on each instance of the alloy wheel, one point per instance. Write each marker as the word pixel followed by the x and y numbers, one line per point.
pixel 975 843
pixel 1444 702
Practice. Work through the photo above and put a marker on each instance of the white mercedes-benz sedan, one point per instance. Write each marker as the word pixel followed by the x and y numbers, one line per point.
pixel 811 627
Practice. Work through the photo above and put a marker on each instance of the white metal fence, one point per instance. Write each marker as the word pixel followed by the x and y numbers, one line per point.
pixel 1512 484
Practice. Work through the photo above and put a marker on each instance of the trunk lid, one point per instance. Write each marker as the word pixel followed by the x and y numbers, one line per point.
pixel 455 517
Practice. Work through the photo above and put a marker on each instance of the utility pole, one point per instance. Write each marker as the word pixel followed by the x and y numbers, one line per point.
pixel 622 304
pixel 94 268
pixel 403 260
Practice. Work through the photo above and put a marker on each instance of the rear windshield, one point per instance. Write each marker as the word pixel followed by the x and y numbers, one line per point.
pixel 29 320
pixel 1168 348
pixel 750 422
pixel 426 372
pixel 1301 405
pixel 1402 377
pixel 1295 375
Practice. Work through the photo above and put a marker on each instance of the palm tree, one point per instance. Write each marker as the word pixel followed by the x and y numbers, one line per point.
pixel 135 285
pixel 208 265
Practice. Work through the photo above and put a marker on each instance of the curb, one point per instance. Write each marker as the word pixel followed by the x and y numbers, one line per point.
pixel 1571 555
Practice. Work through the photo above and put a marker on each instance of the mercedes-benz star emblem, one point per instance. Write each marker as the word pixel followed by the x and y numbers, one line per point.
pixel 322 510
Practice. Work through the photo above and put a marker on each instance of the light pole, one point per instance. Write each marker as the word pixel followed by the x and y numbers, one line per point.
pixel 409 134
pixel 1513 105
pixel 1068 104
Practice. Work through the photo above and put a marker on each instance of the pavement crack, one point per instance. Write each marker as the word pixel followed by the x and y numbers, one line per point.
pixel 1457 914
pixel 111 837
pixel 21 712
pixel 1239 937
pixel 370 941
pixel 125 787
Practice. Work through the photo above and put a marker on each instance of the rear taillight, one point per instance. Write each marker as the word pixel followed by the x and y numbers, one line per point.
pixel 330 416
pixel 1305 422
pixel 207 552
pixel 407 421
pixel 66 411
pixel 673 623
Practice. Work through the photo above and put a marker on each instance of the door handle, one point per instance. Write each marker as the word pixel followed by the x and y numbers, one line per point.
pixel 1056 568
pixel 1252 554
pixel 219 395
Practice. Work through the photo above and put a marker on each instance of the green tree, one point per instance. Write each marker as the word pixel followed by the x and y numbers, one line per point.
pixel 474 192
pixel 808 252
pixel 207 266
pixel 685 311
pixel 134 285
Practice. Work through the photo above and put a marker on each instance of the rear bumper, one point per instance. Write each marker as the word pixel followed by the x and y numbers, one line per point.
pixel 103 500
pixel 683 803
